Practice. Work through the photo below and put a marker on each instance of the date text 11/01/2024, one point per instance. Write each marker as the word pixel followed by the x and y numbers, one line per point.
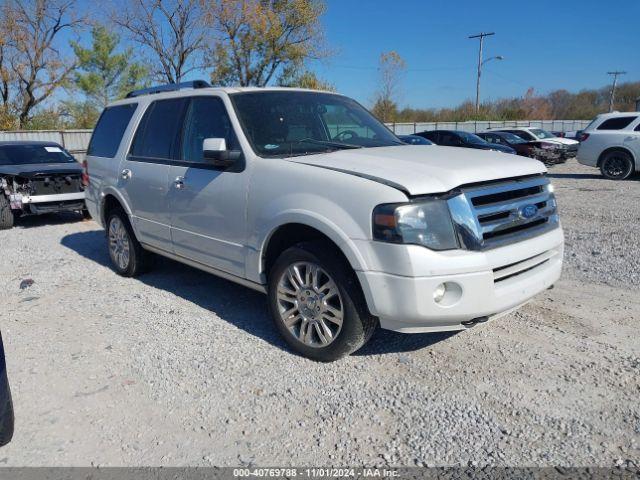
pixel 316 472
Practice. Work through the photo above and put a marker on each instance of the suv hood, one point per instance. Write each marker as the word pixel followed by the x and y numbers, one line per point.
pixel 32 169
pixel 560 140
pixel 422 169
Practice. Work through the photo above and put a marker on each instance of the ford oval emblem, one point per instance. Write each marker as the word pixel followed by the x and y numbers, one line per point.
pixel 528 211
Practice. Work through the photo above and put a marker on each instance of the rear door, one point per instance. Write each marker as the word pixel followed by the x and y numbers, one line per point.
pixel 144 176
pixel 632 141
pixel 208 204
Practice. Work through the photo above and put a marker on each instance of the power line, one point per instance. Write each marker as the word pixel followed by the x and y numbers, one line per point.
pixel 613 87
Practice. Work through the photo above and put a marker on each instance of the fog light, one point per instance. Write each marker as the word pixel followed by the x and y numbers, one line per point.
pixel 439 292
pixel 447 294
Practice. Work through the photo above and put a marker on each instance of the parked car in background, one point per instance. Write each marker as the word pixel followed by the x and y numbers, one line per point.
pixel 549 153
pixel 414 140
pixel 37 178
pixel 421 239
pixel 565 146
pixel 611 142
pixel 458 138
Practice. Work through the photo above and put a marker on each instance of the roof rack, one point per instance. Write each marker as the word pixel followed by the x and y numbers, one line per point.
pixel 171 87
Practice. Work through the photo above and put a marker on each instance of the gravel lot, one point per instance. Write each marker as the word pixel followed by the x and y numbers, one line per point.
pixel 181 368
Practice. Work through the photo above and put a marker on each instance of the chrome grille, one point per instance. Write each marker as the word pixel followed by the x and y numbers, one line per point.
pixel 496 214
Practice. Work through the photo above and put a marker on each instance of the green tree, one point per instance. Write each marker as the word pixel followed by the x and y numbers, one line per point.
pixel 104 75
pixel 259 39
pixel 304 79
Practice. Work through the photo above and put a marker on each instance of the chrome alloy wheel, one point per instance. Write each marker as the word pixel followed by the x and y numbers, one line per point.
pixel 119 243
pixel 309 304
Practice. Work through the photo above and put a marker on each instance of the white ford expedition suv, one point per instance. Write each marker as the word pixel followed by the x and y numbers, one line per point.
pixel 305 196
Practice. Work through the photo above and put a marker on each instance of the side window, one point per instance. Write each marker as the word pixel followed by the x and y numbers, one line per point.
pixel 206 117
pixel 157 134
pixel 110 129
pixel 449 139
pixel 617 123
pixel 637 129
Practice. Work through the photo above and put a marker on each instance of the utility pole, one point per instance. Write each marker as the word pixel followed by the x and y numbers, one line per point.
pixel 481 37
pixel 613 87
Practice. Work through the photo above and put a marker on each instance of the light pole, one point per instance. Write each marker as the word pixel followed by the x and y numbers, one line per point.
pixel 480 63
pixel 613 87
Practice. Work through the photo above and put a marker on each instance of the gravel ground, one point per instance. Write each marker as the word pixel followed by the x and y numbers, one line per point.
pixel 181 368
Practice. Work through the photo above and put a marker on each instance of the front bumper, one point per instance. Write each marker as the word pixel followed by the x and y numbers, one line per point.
pixel 39 204
pixel 492 284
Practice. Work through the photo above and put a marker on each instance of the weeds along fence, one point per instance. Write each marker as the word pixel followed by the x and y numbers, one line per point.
pixel 77 141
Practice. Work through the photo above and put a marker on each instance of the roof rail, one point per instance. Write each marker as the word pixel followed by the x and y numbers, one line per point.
pixel 171 87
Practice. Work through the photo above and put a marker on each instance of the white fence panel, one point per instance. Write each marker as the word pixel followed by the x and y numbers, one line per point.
pixel 77 141
pixel 483 125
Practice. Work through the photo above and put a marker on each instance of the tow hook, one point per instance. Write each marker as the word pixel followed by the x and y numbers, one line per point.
pixel 473 321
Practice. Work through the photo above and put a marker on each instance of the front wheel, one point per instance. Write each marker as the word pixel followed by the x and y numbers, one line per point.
pixel 617 165
pixel 6 215
pixel 316 303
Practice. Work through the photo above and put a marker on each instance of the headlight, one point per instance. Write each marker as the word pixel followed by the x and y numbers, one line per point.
pixel 427 223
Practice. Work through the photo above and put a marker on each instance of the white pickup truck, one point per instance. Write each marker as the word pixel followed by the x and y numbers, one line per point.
pixel 305 196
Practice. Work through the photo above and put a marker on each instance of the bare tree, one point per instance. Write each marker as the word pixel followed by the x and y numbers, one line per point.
pixel 259 39
pixel 31 46
pixel 170 30
pixel 391 69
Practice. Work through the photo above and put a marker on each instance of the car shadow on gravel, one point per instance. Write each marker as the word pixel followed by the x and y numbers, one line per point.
pixel 238 305
pixel 34 221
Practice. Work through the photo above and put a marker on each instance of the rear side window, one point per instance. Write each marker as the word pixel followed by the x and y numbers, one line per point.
pixel 637 129
pixel 110 129
pixel 157 134
pixel 617 123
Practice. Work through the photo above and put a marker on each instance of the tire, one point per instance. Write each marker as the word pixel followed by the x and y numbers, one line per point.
pixel 128 257
pixel 616 165
pixel 310 331
pixel 6 215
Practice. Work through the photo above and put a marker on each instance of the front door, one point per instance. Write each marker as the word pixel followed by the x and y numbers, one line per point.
pixel 145 171
pixel 208 205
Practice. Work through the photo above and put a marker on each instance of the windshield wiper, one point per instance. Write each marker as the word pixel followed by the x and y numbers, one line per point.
pixel 328 143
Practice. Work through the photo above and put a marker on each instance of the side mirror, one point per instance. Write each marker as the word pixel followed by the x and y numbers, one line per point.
pixel 215 153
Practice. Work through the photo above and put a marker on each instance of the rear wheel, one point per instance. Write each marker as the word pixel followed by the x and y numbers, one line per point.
pixel 128 257
pixel 617 165
pixel 316 303
pixel 6 215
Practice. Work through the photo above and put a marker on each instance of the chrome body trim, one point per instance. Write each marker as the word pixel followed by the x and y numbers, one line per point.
pixel 491 216
pixel 201 266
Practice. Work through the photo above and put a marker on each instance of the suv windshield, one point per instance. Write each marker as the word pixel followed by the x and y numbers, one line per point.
pixel 538 132
pixel 471 138
pixel 512 138
pixel 33 154
pixel 284 123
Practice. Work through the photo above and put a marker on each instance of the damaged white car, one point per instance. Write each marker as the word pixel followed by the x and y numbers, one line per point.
pixel 37 178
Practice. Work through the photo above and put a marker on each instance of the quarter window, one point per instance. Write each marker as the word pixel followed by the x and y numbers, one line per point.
pixel 157 134
pixel 206 117
pixel 617 123
pixel 110 129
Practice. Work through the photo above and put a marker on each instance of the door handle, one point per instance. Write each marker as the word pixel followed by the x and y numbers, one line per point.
pixel 179 183
pixel 125 174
